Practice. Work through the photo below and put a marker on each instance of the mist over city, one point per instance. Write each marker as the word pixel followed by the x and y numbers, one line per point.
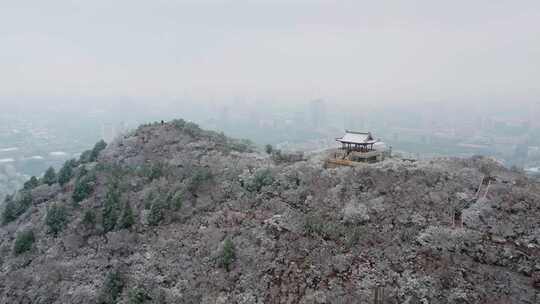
pixel 39 132
pixel 281 94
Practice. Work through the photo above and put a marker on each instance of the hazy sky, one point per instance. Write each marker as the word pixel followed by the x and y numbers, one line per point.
pixel 414 50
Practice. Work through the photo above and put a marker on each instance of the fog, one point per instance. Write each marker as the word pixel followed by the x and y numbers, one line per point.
pixel 429 78
pixel 351 52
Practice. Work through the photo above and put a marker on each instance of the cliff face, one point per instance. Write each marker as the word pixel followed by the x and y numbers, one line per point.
pixel 175 214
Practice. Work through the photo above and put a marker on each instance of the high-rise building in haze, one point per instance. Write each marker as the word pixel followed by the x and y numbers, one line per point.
pixel 354 121
pixel 317 110
pixel 534 117
pixel 224 117
pixel 110 131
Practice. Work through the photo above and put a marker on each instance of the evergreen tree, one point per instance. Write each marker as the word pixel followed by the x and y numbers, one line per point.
pixel 15 208
pixel 228 255
pixel 261 179
pixel 9 214
pixel 50 176
pixel 98 147
pixel 23 242
pixel 82 190
pixel 112 289
pixel 138 296
pixel 110 208
pixel 89 218
pixel 86 157
pixel 177 201
pixel 83 186
pixel 128 219
pixel 32 183
pixel 66 172
pixel 156 213
pixel 56 219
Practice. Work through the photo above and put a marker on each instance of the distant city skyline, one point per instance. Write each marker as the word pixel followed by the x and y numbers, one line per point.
pixel 357 52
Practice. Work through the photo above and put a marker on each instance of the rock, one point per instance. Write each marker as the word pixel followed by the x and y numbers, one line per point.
pixel 315 297
pixel 536 279
pixel 341 263
pixel 276 222
pixel 222 299
pixel 418 219
pixel 73 242
pixel 355 213
pixel 519 207
pixel 463 196
pixel 376 204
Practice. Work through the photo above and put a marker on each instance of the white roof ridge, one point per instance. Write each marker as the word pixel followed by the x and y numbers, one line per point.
pixel 356 132
pixel 357 138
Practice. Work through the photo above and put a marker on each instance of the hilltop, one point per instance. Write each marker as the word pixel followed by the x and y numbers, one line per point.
pixel 171 213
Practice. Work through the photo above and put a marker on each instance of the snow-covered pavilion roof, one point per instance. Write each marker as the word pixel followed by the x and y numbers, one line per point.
pixel 360 138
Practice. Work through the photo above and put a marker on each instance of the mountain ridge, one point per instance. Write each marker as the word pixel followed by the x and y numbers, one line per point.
pixel 171 213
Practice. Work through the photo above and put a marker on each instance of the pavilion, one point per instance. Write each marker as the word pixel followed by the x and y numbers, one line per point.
pixel 357 141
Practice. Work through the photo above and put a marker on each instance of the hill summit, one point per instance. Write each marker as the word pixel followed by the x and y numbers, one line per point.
pixel 171 213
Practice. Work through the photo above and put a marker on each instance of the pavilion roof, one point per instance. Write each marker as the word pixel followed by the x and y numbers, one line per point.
pixel 361 138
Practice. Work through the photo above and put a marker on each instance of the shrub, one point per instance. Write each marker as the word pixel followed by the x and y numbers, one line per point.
pixel 179 123
pixel 82 172
pixel 138 296
pixel 188 127
pixel 354 235
pixel 156 214
pixel 66 172
pixel 161 204
pixel 242 145
pixel 148 199
pixel 283 157
pixel 192 129
pixel 177 201
pixel 227 255
pixel 487 166
pixel 200 176
pixel 153 171
pixel 50 176
pixel 445 238
pixel 112 288
pixel 128 219
pixel 89 218
pixel 56 219
pixel 329 230
pixel 23 242
pixel 32 183
pixel 15 208
pixel 268 149
pixel 260 179
pixel 313 225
